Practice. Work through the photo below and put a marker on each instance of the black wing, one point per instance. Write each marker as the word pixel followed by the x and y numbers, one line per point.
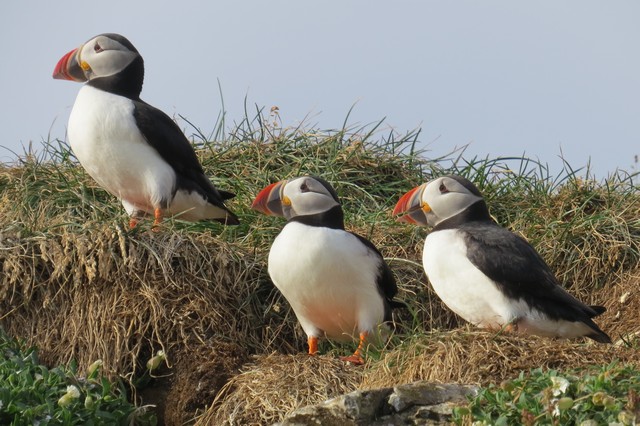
pixel 164 135
pixel 386 281
pixel 520 272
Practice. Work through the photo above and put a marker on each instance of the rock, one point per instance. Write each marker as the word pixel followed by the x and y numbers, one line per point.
pixel 424 393
pixel 419 403
pixel 351 409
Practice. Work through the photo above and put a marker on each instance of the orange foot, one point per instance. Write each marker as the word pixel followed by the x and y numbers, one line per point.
pixel 356 358
pixel 157 215
pixel 133 222
pixel 313 345
pixel 512 327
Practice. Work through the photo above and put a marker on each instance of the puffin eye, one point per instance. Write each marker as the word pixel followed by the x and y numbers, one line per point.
pixel 97 48
pixel 304 187
pixel 443 189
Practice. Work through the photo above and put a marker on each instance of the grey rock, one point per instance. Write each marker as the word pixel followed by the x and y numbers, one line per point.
pixel 425 393
pixel 419 403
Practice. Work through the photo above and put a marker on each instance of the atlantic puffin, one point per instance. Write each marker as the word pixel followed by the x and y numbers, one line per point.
pixel 336 281
pixel 133 150
pixel 486 274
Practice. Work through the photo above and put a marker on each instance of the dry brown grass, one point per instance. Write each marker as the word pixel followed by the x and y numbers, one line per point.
pixel 475 357
pixel 276 384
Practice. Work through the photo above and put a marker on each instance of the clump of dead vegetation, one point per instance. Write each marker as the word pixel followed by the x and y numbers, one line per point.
pixel 79 285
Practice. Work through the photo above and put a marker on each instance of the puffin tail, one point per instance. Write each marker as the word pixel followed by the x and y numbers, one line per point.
pixel 598 310
pixel 226 195
pixel 599 336
pixel 229 219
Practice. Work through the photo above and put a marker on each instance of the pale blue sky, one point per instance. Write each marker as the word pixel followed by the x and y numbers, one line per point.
pixel 507 77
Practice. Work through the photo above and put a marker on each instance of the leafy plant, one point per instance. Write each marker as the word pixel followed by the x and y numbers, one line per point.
pixel 599 395
pixel 32 394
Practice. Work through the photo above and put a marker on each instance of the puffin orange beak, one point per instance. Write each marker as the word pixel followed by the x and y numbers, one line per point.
pixel 269 201
pixel 411 208
pixel 69 67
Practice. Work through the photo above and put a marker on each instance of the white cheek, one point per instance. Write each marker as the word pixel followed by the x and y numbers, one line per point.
pixel 449 205
pixel 108 63
pixel 311 203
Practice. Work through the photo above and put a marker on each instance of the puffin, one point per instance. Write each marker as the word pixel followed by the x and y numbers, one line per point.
pixel 486 274
pixel 336 281
pixel 130 148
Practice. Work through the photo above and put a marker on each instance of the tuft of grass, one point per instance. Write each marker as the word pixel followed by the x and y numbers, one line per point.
pixel 273 385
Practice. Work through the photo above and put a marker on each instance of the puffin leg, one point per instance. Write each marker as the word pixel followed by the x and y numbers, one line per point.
pixel 313 345
pixel 134 217
pixel 158 214
pixel 511 327
pixel 356 358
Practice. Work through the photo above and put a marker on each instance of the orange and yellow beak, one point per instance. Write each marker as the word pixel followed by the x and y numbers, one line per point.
pixel 411 209
pixel 69 67
pixel 270 200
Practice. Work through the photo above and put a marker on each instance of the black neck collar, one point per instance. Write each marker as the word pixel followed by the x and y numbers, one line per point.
pixel 477 212
pixel 332 218
pixel 127 83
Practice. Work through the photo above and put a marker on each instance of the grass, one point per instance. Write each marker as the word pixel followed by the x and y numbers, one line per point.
pixel 80 285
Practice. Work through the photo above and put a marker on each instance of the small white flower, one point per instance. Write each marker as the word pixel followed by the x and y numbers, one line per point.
pixel 559 385
pixel 67 398
pixel 73 392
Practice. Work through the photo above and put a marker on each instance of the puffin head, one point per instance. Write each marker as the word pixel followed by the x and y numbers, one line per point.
pixel 104 56
pixel 437 200
pixel 301 196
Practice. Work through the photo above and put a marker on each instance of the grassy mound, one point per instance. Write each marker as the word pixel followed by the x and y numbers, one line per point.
pixel 275 384
pixel 80 286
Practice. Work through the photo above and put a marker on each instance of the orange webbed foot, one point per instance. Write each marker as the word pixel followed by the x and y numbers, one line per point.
pixel 510 328
pixel 313 345
pixel 133 222
pixel 356 358
pixel 158 216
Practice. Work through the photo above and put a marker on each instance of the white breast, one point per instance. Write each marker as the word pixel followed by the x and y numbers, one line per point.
pixel 329 278
pixel 105 139
pixel 462 286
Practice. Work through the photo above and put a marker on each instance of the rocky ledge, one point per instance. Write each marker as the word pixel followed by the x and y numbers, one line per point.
pixel 419 403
